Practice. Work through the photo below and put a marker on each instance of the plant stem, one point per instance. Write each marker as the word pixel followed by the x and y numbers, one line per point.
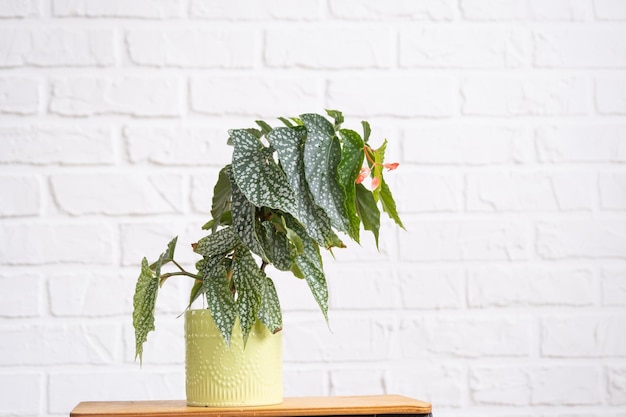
pixel 185 273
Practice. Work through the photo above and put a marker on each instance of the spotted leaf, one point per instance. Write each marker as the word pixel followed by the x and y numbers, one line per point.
pixel 269 312
pixel 143 306
pixel 352 155
pixel 220 300
pixel 249 282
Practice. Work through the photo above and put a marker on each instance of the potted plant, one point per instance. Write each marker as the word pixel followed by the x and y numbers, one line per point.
pixel 287 193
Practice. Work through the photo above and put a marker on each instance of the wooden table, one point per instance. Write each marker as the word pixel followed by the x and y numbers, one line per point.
pixel 375 405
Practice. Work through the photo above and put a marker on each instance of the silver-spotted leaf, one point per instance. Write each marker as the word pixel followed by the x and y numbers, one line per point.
pixel 144 301
pixel 218 243
pixel 270 313
pixel 322 154
pixel 249 281
pixel 220 300
pixel 289 144
pixel 352 154
pixel 257 174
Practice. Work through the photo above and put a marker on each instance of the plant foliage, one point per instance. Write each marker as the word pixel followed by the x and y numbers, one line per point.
pixel 287 192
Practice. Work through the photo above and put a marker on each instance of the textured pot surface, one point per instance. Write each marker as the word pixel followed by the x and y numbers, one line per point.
pixel 220 375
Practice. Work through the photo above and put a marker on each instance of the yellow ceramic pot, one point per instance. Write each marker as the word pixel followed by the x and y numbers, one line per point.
pixel 218 375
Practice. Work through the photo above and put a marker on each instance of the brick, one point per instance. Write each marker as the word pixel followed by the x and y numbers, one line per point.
pixel 147 9
pixel 58 47
pixel 60 344
pixel 579 48
pixel 610 9
pixel 151 238
pixel 581 143
pixel 19 8
pixel 360 381
pixel 466 144
pixel 428 191
pixel 566 385
pixel 49 243
pixel 499 385
pixel 397 96
pixel 44 145
pixel 118 194
pixel 493 286
pixel 441 384
pixel 527 96
pixel 90 294
pixel 473 337
pixel 20 295
pixel 593 238
pixel 132 96
pixel 584 336
pixel 464 240
pixel 431 288
pixel 617 385
pixel 19 95
pixel 179 146
pixel 377 288
pixel 393 9
pixel 257 10
pixel 512 191
pixel 193 48
pixel 353 339
pixel 20 195
pixel 164 346
pixel 21 393
pixel 564 10
pixel 613 287
pixel 352 48
pixel 611 95
pixel 464 48
pixel 304 382
pixel 266 97
pixel 202 190
pixel 66 389
pixel 613 190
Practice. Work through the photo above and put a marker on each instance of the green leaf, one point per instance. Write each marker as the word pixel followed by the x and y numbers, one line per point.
pixel 368 211
pixel 270 313
pixel 309 264
pixel 221 196
pixel 322 154
pixel 265 128
pixel 282 253
pixel 249 281
pixel 166 256
pixel 245 222
pixel 377 170
pixel 196 291
pixel 286 121
pixel 352 154
pixel 337 116
pixel 143 306
pixel 220 300
pixel 260 179
pixel 217 244
pixel 366 131
pixel 289 144
pixel 389 204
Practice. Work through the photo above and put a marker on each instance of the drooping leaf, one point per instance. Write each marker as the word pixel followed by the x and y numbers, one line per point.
pixel 221 197
pixel 322 154
pixel 195 292
pixel 289 144
pixel 245 222
pixel 218 243
pixel 249 280
pixel 270 313
pixel 389 204
pixel 352 154
pixel 368 211
pixel 309 264
pixel 260 179
pixel 143 306
pixel 286 121
pixel 377 170
pixel 220 300
pixel 280 250
pixel 265 128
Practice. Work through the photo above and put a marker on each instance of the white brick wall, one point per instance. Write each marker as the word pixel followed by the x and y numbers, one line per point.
pixel 506 296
